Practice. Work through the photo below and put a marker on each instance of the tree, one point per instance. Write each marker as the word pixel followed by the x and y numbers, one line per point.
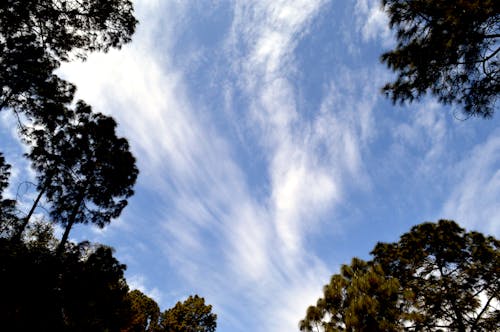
pixel 437 277
pixel 93 289
pixel 84 170
pixel 36 35
pixel 8 217
pixel 448 48
pixel 65 28
pixel 191 315
pixel 82 290
pixel 145 313
pixel 451 276
pixel 360 298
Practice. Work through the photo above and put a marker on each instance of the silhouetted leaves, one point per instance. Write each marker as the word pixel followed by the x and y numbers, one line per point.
pixel 81 290
pixel 36 35
pixel 8 217
pixel 85 171
pixel 448 48
pixel 436 277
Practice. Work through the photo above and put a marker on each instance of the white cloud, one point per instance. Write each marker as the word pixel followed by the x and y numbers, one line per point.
pixel 372 21
pixel 308 158
pixel 139 282
pixel 475 200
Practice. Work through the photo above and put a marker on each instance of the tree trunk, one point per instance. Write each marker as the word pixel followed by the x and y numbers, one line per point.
pixel 71 221
pixel 22 227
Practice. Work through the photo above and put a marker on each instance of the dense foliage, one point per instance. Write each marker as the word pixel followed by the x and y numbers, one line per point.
pixel 36 35
pixel 448 48
pixel 437 276
pixel 82 289
pixel 192 315
pixel 85 174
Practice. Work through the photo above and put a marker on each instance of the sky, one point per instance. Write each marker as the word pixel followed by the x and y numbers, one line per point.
pixel 268 156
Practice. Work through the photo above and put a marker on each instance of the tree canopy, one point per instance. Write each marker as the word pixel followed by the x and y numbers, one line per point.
pixel 36 35
pixel 145 313
pixel 437 276
pixel 8 218
pixel 81 290
pixel 85 171
pixel 448 48
pixel 192 315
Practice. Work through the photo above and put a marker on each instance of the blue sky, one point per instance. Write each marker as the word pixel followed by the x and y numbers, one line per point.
pixel 268 157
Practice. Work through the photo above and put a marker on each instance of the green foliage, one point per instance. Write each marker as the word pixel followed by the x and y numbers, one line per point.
pixel 436 277
pixel 145 313
pixel 451 276
pixel 360 298
pixel 191 315
pixel 448 48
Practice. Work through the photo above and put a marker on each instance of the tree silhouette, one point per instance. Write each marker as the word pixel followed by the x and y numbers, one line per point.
pixel 448 48
pixel 81 290
pixel 36 35
pixel 436 277
pixel 65 28
pixel 8 217
pixel 84 170
pixel 94 290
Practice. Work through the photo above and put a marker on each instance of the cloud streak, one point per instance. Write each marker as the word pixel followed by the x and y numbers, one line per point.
pixel 196 212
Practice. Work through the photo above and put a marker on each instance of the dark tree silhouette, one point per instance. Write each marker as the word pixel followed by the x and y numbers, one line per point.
pixel 65 28
pixel 94 290
pixel 8 217
pixel 192 315
pixel 84 170
pixel 448 48
pixel 36 35
pixel 437 277
pixel 81 290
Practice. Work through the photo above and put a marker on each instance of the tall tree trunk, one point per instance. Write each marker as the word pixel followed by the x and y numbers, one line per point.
pixel 22 227
pixel 71 221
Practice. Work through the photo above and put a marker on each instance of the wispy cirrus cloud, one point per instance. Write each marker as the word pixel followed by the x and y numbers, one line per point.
pixel 196 220
pixel 474 200
pixel 372 21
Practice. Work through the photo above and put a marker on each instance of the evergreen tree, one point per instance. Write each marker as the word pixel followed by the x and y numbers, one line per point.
pixel 360 298
pixel 84 170
pixel 8 217
pixel 36 35
pixel 437 277
pixel 145 313
pixel 192 315
pixel 451 276
pixel 81 290
pixel 448 48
